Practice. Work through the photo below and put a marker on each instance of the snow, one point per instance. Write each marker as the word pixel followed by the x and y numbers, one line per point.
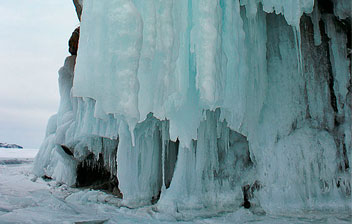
pixel 17 153
pixel 25 198
pixel 243 92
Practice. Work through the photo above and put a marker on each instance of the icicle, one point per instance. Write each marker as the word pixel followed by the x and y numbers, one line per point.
pixel 297 37
pixel 163 140
pixel 315 16
pixel 132 126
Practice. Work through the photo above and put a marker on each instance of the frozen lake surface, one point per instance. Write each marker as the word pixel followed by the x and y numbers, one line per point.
pixel 27 199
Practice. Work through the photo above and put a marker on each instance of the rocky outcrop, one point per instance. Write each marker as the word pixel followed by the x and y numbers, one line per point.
pixel 73 42
pixel 13 146
pixel 79 6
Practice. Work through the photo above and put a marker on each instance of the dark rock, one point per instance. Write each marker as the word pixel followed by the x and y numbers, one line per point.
pixel 79 7
pixel 155 198
pixel 248 191
pixel 46 178
pixel 93 221
pixel 67 150
pixel 247 204
pixel 13 146
pixel 73 42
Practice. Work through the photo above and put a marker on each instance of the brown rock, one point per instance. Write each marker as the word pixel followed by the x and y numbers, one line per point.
pixel 73 42
pixel 78 5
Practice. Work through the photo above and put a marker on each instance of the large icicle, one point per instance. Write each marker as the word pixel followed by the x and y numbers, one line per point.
pixel 109 51
pixel 211 173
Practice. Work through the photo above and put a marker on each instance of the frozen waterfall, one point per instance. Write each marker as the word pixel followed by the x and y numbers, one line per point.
pixel 194 104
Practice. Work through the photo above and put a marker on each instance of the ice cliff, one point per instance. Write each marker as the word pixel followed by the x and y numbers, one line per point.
pixel 194 104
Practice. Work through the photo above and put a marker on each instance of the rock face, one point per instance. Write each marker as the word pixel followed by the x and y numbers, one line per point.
pixel 79 6
pixel 207 104
pixel 73 42
pixel 14 146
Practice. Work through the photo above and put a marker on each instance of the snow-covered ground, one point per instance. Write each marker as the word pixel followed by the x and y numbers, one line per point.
pixel 6 153
pixel 27 199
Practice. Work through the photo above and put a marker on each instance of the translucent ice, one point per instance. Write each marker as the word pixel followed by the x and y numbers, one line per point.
pixel 201 103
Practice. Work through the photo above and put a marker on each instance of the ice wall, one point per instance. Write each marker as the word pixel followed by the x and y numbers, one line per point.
pixel 202 99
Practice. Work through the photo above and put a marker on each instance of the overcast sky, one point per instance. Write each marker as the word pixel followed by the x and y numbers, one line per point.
pixel 33 46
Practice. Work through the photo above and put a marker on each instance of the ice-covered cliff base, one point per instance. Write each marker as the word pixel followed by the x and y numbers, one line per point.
pixel 194 104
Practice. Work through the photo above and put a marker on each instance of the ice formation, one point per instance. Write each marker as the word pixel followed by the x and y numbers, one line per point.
pixel 185 103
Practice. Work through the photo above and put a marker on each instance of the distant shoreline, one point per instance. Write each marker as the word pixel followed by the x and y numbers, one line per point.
pixel 10 146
